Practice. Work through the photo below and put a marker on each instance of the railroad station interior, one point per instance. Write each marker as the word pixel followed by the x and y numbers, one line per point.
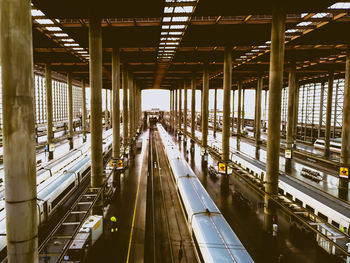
pixel 174 131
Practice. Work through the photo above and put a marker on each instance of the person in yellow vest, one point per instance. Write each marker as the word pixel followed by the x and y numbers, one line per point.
pixel 114 228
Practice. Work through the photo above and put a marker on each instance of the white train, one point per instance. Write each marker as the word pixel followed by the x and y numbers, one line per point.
pixel 213 237
pixel 334 145
pixel 54 191
pixel 327 208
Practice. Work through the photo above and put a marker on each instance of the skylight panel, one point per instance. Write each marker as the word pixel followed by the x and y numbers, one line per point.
pixel 44 21
pixel 53 28
pixel 340 5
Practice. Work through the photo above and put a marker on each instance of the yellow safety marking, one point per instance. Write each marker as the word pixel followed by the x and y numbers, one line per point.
pixel 133 219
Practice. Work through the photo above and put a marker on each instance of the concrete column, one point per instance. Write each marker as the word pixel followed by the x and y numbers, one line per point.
pixel 131 105
pixel 185 107
pixel 345 147
pixel 16 58
pixel 205 102
pixel 84 110
pixel 321 111
pixel 106 111
pixel 193 106
pixel 258 111
pixel 274 123
pixel 70 107
pixel 290 121
pixel 328 114
pixel 48 86
pixel 233 111
pixel 239 114
pixel 125 108
pixel 215 106
pixel 226 104
pixel 176 117
pixel 95 48
pixel 243 124
pixel 180 108
pixel 116 103
pixel 275 90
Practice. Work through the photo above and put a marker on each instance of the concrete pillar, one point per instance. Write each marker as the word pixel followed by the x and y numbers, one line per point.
pixel 16 58
pixel 205 102
pixel 180 108
pixel 125 108
pixel 95 48
pixel 70 107
pixel 258 110
pixel 233 111
pixel 84 110
pixel 215 106
pixel 131 105
pixel 239 114
pixel 243 124
pixel 193 106
pixel 328 114
pixel 116 103
pixel 345 147
pixel 320 120
pixel 48 86
pixel 274 119
pixel 290 119
pixel 185 108
pixel 176 116
pixel 275 90
pixel 226 104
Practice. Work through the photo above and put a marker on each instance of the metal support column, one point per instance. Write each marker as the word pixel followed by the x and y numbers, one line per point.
pixel 233 110
pixel 290 121
pixel 193 106
pixel 205 102
pixel 243 113
pixel 176 116
pixel 226 104
pixel 106 111
pixel 320 120
pixel 185 108
pixel 84 110
pixel 70 107
pixel 125 84
pixel 274 119
pixel 239 114
pixel 131 105
pixel 180 108
pixel 16 58
pixel 258 111
pixel 345 143
pixel 95 48
pixel 116 103
pixel 215 107
pixel 328 114
pixel 48 86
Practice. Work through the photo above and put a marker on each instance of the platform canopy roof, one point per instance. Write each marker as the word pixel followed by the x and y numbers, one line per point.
pixel 164 42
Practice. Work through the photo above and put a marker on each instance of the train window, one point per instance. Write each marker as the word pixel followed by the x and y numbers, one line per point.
pixel 289 196
pixel 335 224
pixel 280 191
pixel 62 195
pixel 197 247
pixel 298 201
pixel 309 208
pixel 323 216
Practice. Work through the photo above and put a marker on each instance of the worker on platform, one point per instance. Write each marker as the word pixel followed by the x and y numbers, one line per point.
pixel 114 228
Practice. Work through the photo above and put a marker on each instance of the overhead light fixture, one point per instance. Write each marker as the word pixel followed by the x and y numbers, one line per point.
pixel 71 44
pixel 44 21
pixel 53 28
pixel 60 34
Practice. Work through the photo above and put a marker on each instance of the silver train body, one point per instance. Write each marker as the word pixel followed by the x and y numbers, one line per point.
pixel 309 202
pixel 214 239
pixel 334 145
pixel 54 191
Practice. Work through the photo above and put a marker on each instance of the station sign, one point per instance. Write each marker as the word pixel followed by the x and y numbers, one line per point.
pixel 344 172
pixel 222 168
pixel 120 165
pixel 51 147
pixel 288 154
pixel 203 151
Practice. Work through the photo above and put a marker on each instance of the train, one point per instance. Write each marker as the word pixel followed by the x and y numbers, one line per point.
pixel 213 237
pixel 53 192
pixel 334 145
pixel 337 215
